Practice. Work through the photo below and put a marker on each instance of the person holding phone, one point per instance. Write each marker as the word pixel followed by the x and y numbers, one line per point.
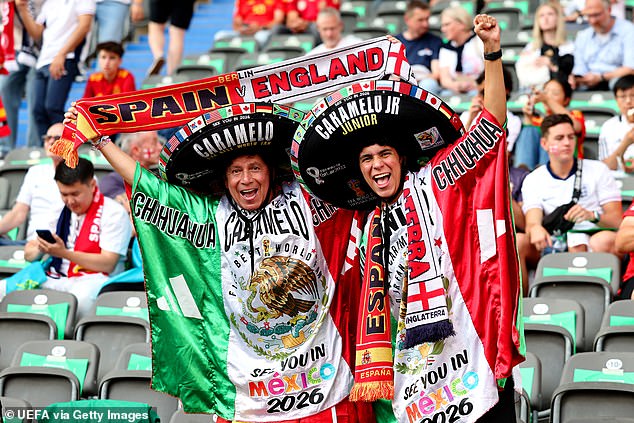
pixel 91 239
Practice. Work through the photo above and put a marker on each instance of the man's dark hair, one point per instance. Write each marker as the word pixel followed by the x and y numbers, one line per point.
pixel 111 47
pixel 84 172
pixel 416 4
pixel 554 120
pixel 508 81
pixel 623 83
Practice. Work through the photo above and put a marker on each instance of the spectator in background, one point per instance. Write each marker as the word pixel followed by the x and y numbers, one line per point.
pixel 549 54
pixel 555 98
pixel 143 147
pixel 179 15
pixel 551 185
pixel 330 27
pixel 574 10
pixel 256 18
pixel 301 16
pixel 460 59
pixel 112 79
pixel 421 46
pixel 83 261
pixel 61 26
pixel 111 17
pixel 617 133
pixel 38 199
pixel 603 52
pixel 513 123
pixel 19 84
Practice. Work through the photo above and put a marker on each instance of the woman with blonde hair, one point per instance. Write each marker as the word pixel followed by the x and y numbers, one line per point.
pixel 549 55
pixel 460 59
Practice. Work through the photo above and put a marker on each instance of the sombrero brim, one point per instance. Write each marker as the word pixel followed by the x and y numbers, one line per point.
pixel 326 147
pixel 196 155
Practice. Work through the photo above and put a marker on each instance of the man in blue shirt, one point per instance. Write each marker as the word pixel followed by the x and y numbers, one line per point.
pixel 421 46
pixel 603 52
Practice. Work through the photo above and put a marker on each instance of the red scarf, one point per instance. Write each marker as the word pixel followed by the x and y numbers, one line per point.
pixel 88 239
pixel 374 376
pixel 7 49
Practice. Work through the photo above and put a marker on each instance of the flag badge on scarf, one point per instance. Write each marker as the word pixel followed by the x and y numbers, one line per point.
pixel 384 85
pixel 334 97
pixel 296 115
pixel 319 108
pixel 196 124
pixel 433 101
pixel 264 108
pixel 281 110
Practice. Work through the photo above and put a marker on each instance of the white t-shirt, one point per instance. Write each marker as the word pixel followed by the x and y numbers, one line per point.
pixel 60 19
pixel 348 40
pixel 116 230
pixel 39 191
pixel 612 132
pixel 513 125
pixel 472 58
pixel 542 190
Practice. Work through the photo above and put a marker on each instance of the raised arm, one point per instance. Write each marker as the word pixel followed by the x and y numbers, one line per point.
pixel 123 164
pixel 488 30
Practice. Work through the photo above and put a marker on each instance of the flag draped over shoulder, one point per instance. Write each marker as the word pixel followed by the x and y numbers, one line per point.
pixel 181 237
pixel 470 182
pixel 283 83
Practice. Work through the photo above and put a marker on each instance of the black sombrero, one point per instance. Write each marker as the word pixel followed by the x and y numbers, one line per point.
pixel 326 145
pixel 195 156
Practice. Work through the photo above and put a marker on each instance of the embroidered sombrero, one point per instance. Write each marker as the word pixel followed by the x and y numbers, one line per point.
pixel 196 155
pixel 326 146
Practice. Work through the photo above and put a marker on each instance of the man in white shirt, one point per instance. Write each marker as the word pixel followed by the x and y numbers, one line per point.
pixel 617 133
pixel 93 233
pixel 61 26
pixel 330 28
pixel 551 185
pixel 38 195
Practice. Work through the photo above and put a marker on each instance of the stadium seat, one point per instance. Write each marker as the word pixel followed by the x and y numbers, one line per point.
pixel 18 328
pixel 12 258
pixel 118 319
pixel 248 44
pixel 370 32
pixel 251 60
pixel 180 416
pixel 14 172
pixel 565 313
pixel 125 382
pixel 593 385
pixel 194 72
pixel 592 279
pixel 617 328
pixel 391 8
pixel 26 154
pixel 507 17
pixel 349 19
pixel 16 404
pixel 531 371
pixel 393 24
pixel 65 365
pixel 221 59
pixel 299 43
pixel 360 7
pixel 59 306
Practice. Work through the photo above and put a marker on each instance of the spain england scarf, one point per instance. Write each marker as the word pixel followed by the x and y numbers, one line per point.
pixel 283 83
pixel 426 312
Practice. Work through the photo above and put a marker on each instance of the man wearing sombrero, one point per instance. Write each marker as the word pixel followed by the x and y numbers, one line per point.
pixel 440 260
pixel 252 293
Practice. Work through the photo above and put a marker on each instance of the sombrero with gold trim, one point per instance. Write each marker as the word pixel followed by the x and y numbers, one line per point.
pixel 326 146
pixel 196 156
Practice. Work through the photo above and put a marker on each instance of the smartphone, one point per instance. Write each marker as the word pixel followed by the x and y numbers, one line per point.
pixel 46 235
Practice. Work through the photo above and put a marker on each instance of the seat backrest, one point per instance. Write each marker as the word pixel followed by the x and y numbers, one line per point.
pixel 22 154
pixel 603 265
pixel 249 44
pixel 560 312
pixel 531 371
pixel 305 42
pixel 595 384
pixel 18 328
pixel 15 176
pixel 592 292
pixel 135 357
pixel 553 346
pixel 81 358
pixel 619 313
pixel 40 386
pixel 617 328
pixel 60 306
pixel 4 193
pixel 11 260
pixel 21 410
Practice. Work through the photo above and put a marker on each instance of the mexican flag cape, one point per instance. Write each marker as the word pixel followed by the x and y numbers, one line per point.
pixel 461 200
pixel 250 312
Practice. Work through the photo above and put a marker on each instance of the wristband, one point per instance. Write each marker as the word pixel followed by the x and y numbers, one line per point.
pixel 596 217
pixel 493 56
pixel 101 143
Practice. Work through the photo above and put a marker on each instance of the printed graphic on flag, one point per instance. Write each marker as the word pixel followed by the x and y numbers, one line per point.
pixel 433 101
pixel 280 110
pixel 334 97
pixel 213 116
pixel 308 119
pixel 397 62
pixel 319 108
pixel 196 124
pixel 172 143
pixel 426 295
pixel 384 85
pixel 403 88
pixel 294 148
pixel 296 115
pixel 418 93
